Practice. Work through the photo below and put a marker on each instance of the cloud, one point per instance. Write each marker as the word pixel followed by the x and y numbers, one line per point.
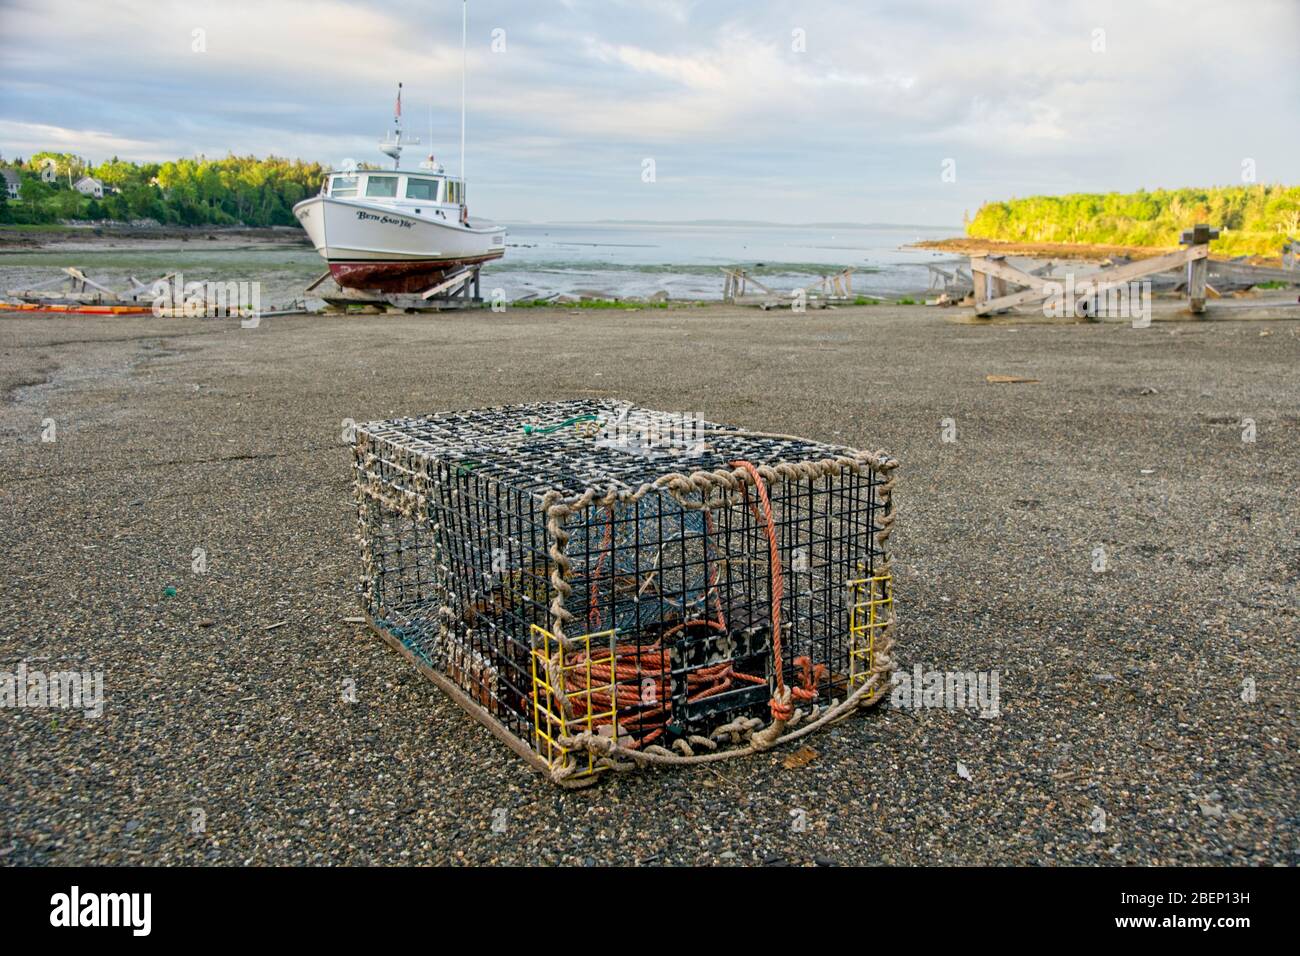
pixel 23 139
pixel 851 121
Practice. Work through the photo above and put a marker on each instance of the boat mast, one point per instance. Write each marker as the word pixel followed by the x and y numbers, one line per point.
pixel 392 145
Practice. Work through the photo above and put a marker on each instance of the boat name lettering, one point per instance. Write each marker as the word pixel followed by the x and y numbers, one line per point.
pixel 386 220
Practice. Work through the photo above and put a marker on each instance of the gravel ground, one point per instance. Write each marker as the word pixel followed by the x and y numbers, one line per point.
pixel 1121 692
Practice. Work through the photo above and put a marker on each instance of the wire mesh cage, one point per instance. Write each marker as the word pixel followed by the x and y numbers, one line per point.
pixel 607 586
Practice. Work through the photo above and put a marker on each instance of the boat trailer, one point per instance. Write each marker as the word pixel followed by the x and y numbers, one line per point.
pixel 458 291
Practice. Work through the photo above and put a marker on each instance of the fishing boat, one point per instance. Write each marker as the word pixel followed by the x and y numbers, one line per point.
pixel 399 230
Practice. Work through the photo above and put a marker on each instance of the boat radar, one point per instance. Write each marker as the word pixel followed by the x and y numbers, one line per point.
pixel 391 145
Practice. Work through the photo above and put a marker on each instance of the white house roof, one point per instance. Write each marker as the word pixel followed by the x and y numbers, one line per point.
pixel 10 175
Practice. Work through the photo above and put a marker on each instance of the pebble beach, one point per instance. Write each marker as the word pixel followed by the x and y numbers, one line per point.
pixel 1148 701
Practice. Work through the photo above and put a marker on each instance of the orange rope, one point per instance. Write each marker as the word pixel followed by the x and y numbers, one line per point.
pixel 633 665
pixel 780 710
pixel 809 676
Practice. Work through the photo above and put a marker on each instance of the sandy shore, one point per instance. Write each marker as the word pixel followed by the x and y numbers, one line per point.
pixel 1121 692
pixel 145 239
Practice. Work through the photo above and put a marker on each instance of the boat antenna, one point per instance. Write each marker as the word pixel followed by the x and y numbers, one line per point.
pixel 464 28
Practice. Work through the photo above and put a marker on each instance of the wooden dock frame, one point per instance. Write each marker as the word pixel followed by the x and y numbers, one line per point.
pixel 1290 252
pixel 73 286
pixel 458 291
pixel 826 290
pixel 992 275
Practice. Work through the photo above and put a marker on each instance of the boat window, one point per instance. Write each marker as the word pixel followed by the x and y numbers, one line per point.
pixel 343 186
pixel 426 189
pixel 453 191
pixel 381 186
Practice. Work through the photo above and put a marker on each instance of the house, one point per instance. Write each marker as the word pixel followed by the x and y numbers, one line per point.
pixel 13 184
pixel 89 186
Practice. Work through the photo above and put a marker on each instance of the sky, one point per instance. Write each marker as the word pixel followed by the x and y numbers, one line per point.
pixel 869 111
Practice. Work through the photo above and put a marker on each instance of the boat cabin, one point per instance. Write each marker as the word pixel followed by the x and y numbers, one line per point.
pixel 395 187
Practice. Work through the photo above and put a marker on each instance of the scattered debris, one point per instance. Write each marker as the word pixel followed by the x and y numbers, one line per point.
pixel 1010 380
pixel 73 292
pixel 800 758
pixel 1211 805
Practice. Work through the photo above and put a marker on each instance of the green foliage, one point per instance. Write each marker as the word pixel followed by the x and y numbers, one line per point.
pixel 65 164
pixel 235 190
pixel 616 304
pixel 1254 220
pixel 629 304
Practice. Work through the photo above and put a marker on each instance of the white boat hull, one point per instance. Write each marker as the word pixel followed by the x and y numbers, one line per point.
pixel 369 246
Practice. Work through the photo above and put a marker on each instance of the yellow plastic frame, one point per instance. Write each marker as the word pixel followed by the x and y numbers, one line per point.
pixel 871 610
pixel 546 646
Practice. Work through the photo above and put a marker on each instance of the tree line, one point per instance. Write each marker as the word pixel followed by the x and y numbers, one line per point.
pixel 1253 219
pixel 236 190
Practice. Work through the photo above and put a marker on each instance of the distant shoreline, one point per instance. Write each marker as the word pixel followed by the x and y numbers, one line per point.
pixel 731 223
pixel 51 238
pixel 965 245
pixel 15 238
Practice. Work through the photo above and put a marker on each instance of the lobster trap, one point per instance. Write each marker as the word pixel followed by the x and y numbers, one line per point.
pixel 606 586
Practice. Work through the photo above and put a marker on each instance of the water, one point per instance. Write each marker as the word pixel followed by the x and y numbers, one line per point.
pixel 606 260
pixel 686 260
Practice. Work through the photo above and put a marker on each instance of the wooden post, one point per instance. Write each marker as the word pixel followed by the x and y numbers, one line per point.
pixel 1289 253
pixel 999 284
pixel 1198 269
pixel 979 278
